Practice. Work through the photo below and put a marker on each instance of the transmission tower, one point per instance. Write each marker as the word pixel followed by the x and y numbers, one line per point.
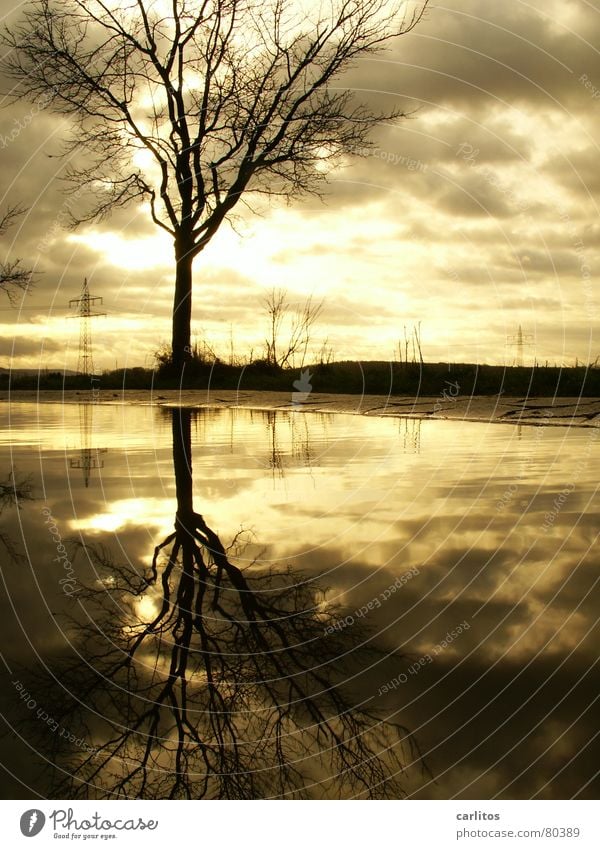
pixel 83 304
pixel 89 458
pixel 520 339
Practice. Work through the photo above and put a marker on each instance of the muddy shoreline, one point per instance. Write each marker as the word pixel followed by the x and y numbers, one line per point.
pixel 551 412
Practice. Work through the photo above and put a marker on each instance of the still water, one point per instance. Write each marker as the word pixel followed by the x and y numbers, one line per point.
pixel 339 606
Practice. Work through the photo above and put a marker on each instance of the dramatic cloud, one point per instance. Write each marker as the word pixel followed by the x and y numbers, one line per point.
pixel 480 205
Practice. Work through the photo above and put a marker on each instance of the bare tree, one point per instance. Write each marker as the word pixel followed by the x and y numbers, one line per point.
pixel 326 353
pixel 14 279
pixel 413 339
pixel 282 352
pixel 275 305
pixel 227 98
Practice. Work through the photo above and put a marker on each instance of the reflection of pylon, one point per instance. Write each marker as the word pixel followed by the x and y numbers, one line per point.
pixel 88 459
pixel 410 429
pixel 520 339
pixel 85 363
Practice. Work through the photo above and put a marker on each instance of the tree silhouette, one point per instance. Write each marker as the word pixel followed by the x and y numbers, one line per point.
pixel 14 278
pixel 282 351
pixel 229 99
pixel 231 688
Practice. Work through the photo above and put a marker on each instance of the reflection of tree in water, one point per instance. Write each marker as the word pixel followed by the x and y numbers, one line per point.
pixel 14 489
pixel 410 432
pixel 203 680
pixel 299 453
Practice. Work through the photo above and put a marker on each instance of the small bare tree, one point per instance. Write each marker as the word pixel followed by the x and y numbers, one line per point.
pixel 413 339
pixel 14 278
pixel 326 353
pixel 282 352
pixel 225 97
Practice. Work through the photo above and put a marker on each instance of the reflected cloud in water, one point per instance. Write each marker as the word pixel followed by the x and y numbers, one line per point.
pixel 326 513
pixel 201 679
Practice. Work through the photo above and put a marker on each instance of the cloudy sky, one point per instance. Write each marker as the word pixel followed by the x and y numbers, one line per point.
pixel 477 215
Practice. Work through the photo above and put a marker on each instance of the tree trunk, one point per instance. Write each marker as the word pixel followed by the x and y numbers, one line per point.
pixel 182 308
pixel 182 464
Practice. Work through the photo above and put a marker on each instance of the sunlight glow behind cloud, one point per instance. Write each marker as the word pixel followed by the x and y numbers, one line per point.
pixel 120 250
pixel 477 214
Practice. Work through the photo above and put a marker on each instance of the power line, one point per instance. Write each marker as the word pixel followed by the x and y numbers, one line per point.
pixel 56 307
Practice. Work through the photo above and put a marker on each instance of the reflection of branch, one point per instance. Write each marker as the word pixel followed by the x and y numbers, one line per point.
pixel 13 490
pixel 230 691
pixel 203 680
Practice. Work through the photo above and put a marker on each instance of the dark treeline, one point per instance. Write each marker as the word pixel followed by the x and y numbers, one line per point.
pixel 373 378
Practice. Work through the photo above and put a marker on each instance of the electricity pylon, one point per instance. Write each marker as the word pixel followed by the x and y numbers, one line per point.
pixel 520 339
pixel 85 362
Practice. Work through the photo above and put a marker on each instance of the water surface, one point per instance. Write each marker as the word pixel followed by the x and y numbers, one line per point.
pixel 460 553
